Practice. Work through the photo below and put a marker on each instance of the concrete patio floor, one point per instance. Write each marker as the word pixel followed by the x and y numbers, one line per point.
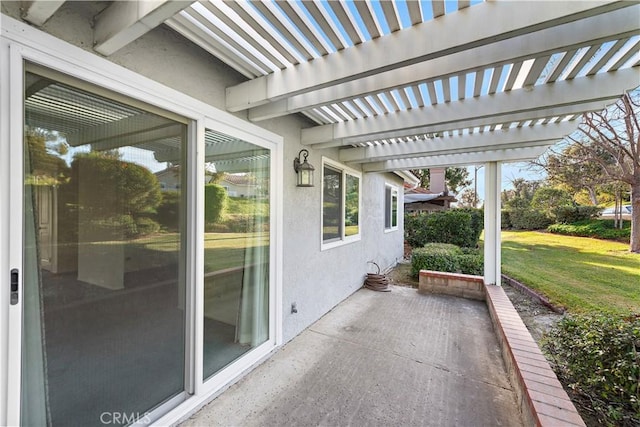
pixel 379 359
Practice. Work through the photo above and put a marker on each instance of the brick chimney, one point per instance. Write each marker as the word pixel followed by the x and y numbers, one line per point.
pixel 436 180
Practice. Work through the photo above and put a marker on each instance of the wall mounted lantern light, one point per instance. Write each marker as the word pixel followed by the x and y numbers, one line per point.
pixel 304 170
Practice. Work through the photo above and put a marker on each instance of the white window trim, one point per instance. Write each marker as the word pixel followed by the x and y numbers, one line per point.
pixel 20 42
pixel 343 240
pixel 394 188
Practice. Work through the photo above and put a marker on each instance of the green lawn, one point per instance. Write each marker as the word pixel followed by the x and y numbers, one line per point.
pixel 581 274
pixel 221 250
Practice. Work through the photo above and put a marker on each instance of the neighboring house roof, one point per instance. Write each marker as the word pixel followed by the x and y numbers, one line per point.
pixel 238 179
pixel 411 198
pixel 420 195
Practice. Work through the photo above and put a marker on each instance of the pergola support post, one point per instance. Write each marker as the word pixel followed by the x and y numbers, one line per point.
pixel 492 223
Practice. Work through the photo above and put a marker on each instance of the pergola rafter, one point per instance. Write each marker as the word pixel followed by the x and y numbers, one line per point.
pixel 385 74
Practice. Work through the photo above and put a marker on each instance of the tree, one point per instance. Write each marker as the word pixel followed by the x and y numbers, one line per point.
pixel 612 140
pixel 546 199
pixel 573 169
pixel 44 162
pixel 467 199
pixel 114 186
pixel 455 178
pixel 521 195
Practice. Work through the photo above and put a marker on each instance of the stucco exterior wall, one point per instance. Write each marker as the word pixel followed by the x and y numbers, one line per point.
pixel 313 279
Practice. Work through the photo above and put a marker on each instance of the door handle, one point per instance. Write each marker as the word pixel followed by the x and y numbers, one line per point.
pixel 15 280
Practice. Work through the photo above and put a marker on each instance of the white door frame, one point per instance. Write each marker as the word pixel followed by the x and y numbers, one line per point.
pixel 19 43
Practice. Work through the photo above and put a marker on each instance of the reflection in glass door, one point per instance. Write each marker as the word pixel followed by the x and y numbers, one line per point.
pixel 104 288
pixel 236 249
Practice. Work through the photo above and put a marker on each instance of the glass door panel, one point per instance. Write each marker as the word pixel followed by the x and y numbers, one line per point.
pixel 104 244
pixel 236 246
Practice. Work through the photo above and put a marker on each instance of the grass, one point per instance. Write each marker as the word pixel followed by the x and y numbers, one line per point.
pixel 247 206
pixel 581 274
pixel 221 250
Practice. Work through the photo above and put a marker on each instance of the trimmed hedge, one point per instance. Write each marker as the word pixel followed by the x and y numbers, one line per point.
pixel 460 227
pixel 528 219
pixel 596 228
pixel 446 257
pixel 571 214
pixel 598 357
pixel 215 203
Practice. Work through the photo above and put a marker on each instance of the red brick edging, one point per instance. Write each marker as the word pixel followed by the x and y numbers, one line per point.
pixel 543 402
pixel 541 397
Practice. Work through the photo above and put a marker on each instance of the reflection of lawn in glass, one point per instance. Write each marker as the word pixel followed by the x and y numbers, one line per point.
pixel 334 231
pixel 351 230
pixel 221 250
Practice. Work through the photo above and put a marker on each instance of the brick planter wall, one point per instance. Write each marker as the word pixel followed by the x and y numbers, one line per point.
pixel 459 285
pixel 543 402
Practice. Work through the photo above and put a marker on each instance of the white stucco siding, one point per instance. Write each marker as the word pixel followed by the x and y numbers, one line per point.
pixel 314 279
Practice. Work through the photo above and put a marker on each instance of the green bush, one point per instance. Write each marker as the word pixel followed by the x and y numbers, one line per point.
pixel 115 227
pixel 168 212
pixel 117 187
pixel 471 263
pixel 215 203
pixel 505 219
pixel 596 228
pixel 477 223
pixel 446 257
pixel 598 357
pixel 456 226
pixel 528 219
pixel 571 214
pixel 146 226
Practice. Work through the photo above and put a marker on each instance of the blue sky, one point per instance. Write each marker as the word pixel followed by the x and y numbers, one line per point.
pixel 510 171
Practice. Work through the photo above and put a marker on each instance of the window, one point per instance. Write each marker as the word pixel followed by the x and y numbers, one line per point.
pixel 340 204
pixel 390 207
pixel 104 278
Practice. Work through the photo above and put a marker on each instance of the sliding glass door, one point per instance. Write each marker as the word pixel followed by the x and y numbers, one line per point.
pixel 104 288
pixel 236 249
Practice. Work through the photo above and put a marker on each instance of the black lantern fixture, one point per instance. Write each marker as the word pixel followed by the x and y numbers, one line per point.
pixel 304 170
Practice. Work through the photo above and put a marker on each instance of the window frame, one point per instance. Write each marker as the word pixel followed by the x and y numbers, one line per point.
pixel 388 207
pixel 20 44
pixel 343 239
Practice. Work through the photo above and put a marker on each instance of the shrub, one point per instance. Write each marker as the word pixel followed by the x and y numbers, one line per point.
pixel 435 256
pixel 215 202
pixel 446 257
pixel 571 214
pixel 146 226
pixel 598 357
pixel 548 199
pixel 596 228
pixel 456 226
pixel 477 223
pixel 117 187
pixel 528 219
pixel 471 263
pixel 505 219
pixel 168 212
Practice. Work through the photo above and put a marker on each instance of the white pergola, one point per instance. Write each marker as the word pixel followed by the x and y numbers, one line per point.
pixel 411 84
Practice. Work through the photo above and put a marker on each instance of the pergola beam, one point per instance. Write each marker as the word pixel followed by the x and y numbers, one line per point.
pixel 136 124
pixel 597 88
pixel 493 140
pixel 479 26
pixel 124 21
pixel 38 12
pixel 492 122
pixel 593 30
pixel 457 159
